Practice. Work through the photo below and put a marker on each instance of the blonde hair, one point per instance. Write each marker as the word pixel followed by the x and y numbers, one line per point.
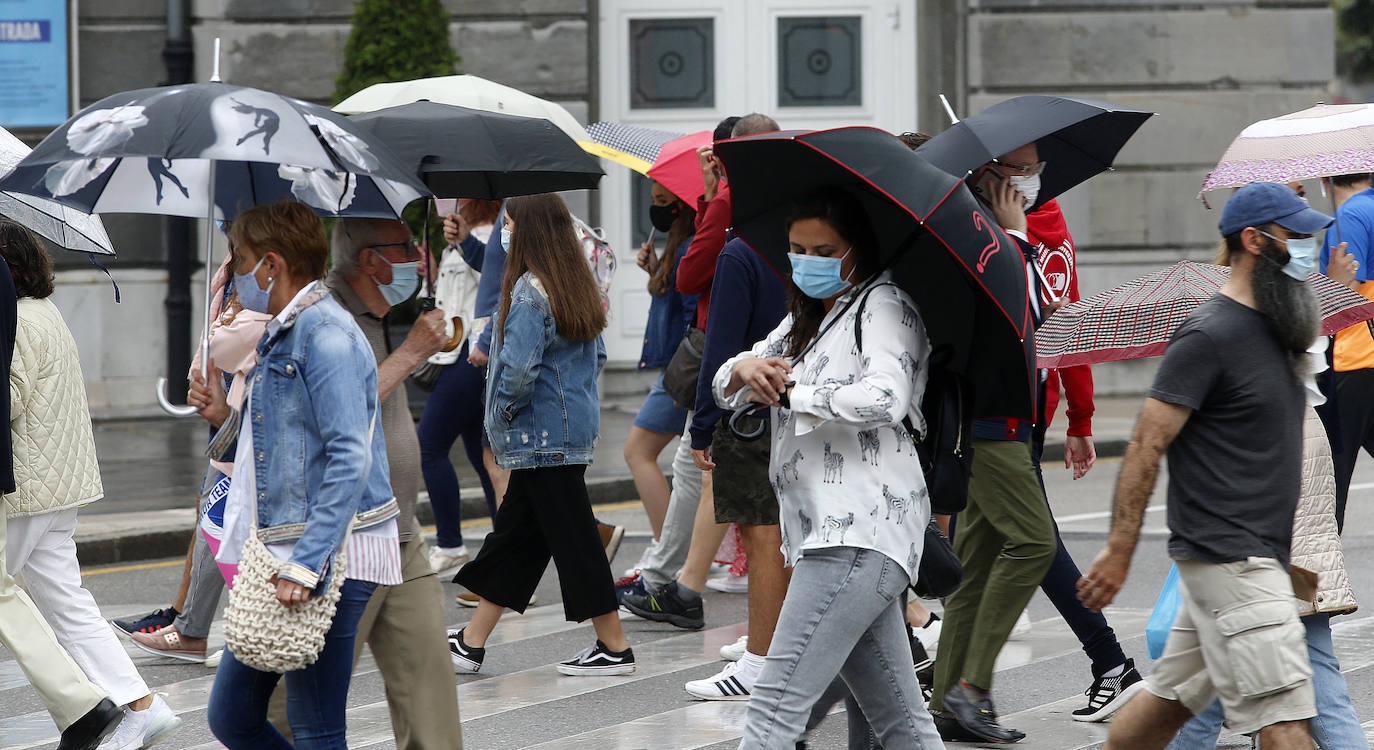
pixel 288 229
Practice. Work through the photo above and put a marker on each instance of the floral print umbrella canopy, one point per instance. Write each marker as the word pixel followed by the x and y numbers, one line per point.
pixel 158 150
pixel 1322 141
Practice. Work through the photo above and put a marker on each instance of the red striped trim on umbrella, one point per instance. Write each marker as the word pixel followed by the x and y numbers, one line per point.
pixel 1138 318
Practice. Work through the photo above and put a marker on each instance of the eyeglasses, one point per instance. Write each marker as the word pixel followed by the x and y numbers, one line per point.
pixel 411 251
pixel 1019 170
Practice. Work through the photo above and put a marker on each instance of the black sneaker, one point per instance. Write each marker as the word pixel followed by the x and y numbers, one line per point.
pixel 149 623
pixel 596 659
pixel 975 713
pixel 466 659
pixel 1107 695
pixel 666 605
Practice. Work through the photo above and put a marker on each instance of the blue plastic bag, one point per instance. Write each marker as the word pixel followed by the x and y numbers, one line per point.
pixel 1162 618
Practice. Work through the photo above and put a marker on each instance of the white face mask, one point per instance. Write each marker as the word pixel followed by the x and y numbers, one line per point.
pixel 1029 187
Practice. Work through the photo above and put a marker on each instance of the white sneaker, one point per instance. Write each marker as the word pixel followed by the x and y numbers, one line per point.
pixel 930 636
pixel 447 562
pixel 735 651
pixel 141 729
pixel 1023 625
pixel 212 661
pixel 729 584
pixel 725 685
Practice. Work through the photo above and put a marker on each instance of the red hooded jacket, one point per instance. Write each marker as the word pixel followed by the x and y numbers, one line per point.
pixel 1046 228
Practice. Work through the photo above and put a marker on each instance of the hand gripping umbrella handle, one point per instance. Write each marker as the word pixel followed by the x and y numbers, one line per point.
pixel 168 406
pixel 162 400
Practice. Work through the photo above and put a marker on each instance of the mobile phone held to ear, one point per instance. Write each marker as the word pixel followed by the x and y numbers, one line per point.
pixel 985 186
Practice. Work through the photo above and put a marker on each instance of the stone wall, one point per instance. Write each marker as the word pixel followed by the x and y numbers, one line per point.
pixel 293 47
pixel 1208 67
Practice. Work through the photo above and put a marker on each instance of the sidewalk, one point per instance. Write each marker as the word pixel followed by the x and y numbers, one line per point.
pixel 152 470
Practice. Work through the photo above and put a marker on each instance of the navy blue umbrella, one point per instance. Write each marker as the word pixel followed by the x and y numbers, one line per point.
pixel 1076 138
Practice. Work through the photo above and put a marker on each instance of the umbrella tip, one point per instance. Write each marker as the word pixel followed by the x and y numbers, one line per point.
pixel 214 74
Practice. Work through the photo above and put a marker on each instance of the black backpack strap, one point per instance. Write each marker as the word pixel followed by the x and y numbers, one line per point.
pixel 859 344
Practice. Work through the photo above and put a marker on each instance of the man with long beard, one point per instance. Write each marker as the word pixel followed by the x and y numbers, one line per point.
pixel 1227 404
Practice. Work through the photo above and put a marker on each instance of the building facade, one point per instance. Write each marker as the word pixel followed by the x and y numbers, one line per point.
pixel 1208 67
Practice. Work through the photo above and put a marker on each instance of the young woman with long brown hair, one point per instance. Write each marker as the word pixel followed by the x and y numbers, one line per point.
pixel 542 416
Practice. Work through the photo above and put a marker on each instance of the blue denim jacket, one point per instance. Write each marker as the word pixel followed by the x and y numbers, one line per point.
pixel 314 398
pixel 542 405
pixel 670 315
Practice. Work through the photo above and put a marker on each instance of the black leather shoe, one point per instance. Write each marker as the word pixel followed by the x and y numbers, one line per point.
pixel 978 717
pixel 951 730
pixel 87 732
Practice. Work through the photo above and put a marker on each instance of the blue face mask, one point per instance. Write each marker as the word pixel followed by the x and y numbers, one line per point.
pixel 1302 255
pixel 505 240
pixel 405 279
pixel 251 296
pixel 818 277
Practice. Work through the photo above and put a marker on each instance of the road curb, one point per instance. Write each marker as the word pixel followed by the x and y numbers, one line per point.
pixel 151 544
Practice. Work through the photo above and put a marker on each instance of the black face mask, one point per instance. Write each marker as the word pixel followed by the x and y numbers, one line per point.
pixel 662 217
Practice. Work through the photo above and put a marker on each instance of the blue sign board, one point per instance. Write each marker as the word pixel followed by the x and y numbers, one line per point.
pixel 34 63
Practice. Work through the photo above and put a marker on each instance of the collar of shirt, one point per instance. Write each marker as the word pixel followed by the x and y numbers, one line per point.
pixel 275 324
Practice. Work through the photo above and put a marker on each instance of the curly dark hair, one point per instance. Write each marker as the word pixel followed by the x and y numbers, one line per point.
pixel 28 261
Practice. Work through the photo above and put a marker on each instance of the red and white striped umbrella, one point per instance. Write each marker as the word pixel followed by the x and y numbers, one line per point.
pixel 1323 141
pixel 1138 318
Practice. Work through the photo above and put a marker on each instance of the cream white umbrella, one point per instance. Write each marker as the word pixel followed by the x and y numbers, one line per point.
pixel 464 91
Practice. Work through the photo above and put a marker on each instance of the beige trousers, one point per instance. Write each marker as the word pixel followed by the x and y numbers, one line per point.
pixel 61 685
pixel 404 626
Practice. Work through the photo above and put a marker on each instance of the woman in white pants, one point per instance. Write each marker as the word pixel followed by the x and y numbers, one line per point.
pixel 55 472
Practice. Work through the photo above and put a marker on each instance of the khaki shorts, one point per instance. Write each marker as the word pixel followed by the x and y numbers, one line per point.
pixel 1237 637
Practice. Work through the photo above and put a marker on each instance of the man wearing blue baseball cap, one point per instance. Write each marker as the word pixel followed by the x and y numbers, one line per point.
pixel 1227 406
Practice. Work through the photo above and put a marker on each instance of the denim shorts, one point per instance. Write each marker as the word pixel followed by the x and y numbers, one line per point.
pixel 659 413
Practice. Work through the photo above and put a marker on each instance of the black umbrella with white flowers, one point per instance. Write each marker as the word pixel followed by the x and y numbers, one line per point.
pixel 210 151
pixel 159 150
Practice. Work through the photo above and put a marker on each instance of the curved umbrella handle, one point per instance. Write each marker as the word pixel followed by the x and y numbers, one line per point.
pixel 168 406
pixel 749 435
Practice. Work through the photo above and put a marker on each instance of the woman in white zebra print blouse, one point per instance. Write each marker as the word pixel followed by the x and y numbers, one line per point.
pixel 853 500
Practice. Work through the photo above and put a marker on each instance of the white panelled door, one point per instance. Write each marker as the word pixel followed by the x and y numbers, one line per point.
pixel 810 64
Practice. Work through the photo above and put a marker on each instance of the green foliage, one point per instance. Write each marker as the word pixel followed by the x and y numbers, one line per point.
pixel 395 40
pixel 1355 40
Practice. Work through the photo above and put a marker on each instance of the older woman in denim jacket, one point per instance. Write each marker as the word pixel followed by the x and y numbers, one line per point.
pixel 542 419
pixel 304 458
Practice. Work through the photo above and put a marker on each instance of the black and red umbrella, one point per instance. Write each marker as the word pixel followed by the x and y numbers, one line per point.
pixel 965 274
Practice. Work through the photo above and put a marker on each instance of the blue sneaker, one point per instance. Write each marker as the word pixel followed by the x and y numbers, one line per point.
pixel 630 586
pixel 149 623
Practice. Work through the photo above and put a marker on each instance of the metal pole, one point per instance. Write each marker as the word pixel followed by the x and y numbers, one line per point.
pixel 178 233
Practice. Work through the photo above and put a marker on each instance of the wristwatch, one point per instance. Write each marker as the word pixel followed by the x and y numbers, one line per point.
pixel 783 398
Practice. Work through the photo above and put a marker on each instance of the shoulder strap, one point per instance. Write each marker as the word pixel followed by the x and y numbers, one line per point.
pixel 859 344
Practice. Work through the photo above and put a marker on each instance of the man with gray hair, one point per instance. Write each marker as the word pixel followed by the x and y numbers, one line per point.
pixel 375 267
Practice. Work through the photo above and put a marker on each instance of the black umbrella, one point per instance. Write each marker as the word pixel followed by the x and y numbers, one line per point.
pixel 1077 138
pixel 946 251
pixel 469 153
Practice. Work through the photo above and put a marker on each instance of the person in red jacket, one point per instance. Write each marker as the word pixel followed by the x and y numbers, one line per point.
pixel 1115 678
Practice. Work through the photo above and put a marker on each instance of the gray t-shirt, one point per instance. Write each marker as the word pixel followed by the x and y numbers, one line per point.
pixel 1236 467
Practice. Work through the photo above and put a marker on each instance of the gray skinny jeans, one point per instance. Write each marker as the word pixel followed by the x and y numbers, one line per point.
pixel 842 617
pixel 202 598
pixel 667 556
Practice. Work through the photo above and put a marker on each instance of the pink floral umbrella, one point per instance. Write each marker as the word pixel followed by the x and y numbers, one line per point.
pixel 1323 141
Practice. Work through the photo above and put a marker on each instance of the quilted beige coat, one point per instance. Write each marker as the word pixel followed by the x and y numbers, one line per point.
pixel 1316 544
pixel 54 448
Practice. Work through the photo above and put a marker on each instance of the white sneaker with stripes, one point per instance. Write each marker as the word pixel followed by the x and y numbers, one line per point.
pixel 725 685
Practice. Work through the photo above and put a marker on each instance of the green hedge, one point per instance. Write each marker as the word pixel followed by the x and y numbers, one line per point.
pixel 395 40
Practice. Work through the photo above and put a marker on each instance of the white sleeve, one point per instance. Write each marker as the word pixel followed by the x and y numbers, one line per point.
pixel 773 345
